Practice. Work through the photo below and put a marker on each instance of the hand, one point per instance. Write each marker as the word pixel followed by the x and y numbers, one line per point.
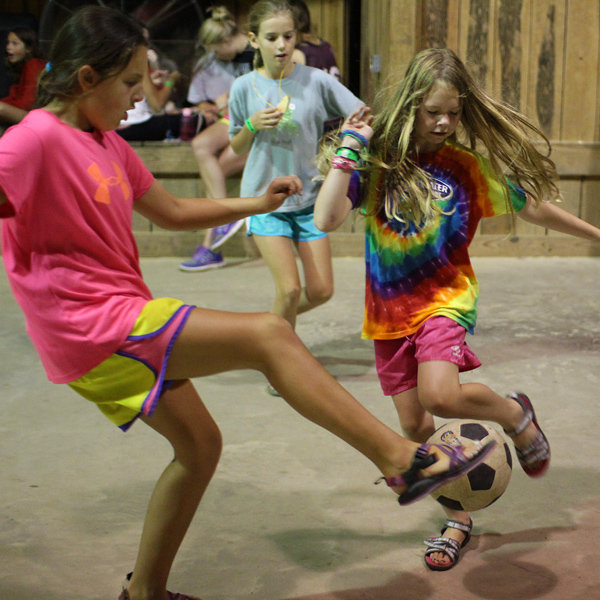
pixel 280 189
pixel 222 101
pixel 268 118
pixel 208 111
pixel 360 121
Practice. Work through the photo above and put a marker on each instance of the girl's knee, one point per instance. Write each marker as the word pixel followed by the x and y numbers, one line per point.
pixel 290 295
pixel 320 295
pixel 417 430
pixel 439 402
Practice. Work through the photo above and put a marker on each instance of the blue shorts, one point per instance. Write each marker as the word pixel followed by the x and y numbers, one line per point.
pixel 297 225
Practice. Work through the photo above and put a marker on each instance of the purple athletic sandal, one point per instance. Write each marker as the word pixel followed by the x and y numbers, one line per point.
pixel 172 596
pixel 538 452
pixel 418 488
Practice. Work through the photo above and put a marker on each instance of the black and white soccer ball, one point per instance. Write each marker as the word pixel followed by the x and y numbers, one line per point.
pixel 485 483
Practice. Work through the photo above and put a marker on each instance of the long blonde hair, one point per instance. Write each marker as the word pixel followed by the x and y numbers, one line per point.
pixel 505 136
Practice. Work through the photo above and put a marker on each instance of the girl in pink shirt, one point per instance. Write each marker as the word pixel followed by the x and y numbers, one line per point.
pixel 73 266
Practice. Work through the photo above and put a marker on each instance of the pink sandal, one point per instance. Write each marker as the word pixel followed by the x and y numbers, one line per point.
pixel 420 487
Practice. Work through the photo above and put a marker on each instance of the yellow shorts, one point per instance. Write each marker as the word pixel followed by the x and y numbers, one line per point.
pixel 131 381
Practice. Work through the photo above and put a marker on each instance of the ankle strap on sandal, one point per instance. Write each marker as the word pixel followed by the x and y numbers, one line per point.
pixel 527 416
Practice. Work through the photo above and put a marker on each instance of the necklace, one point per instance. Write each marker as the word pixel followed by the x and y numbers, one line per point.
pixel 258 93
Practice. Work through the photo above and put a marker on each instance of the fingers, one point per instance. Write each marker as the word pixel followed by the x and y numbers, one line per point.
pixel 268 118
pixel 289 185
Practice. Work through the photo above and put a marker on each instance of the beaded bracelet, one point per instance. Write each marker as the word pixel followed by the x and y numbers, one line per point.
pixel 357 136
pixel 249 125
pixel 348 152
pixel 340 162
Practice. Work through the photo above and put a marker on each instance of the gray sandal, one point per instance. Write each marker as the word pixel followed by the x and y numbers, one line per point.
pixel 538 451
pixel 451 548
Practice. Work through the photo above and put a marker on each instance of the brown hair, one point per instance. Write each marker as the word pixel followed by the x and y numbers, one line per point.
pixel 263 10
pixel 101 37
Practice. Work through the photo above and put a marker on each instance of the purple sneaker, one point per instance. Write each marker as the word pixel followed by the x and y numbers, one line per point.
pixel 223 232
pixel 202 260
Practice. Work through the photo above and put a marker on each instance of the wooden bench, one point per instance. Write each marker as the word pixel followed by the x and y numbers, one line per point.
pixel 173 164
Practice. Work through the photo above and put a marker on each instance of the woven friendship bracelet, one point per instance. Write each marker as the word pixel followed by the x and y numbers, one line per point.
pixel 357 136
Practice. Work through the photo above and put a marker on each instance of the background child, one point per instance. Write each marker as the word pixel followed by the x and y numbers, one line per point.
pixel 73 266
pixel 155 117
pixel 277 113
pixel 423 194
pixel 311 50
pixel 24 62
pixel 228 56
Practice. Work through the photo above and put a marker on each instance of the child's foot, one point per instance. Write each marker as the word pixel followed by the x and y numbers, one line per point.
pixel 531 445
pixel 124 595
pixel 443 552
pixel 202 260
pixel 223 232
pixel 451 462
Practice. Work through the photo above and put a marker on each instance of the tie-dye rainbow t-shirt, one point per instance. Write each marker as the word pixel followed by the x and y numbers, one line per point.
pixel 413 275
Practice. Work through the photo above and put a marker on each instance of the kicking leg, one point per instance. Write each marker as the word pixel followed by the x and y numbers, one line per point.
pixel 215 341
pixel 442 394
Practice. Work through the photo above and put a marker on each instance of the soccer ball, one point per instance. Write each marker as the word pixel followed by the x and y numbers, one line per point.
pixel 484 484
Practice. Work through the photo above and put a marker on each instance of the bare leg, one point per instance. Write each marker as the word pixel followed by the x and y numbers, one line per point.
pixel 215 341
pixel 418 425
pixel 278 252
pixel 441 393
pixel 216 161
pixel 181 418
pixel 318 274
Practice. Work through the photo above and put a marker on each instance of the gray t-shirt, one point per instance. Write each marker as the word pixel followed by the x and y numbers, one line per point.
pixel 214 79
pixel 290 148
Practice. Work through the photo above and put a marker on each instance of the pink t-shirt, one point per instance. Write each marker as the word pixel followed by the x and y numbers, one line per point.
pixel 69 251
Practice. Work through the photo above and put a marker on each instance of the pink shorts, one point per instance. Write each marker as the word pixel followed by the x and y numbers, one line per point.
pixel 439 338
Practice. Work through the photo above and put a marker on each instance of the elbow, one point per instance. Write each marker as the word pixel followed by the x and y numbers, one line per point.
pixel 325 224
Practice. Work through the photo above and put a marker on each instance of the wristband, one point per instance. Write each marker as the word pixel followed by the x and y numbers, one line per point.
pixel 249 125
pixel 348 152
pixel 170 84
pixel 340 162
pixel 357 136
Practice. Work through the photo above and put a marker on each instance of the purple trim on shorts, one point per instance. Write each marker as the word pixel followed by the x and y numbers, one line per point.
pixel 160 385
pixel 158 331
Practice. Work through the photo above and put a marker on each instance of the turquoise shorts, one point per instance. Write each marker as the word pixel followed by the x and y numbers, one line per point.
pixel 297 225
pixel 130 382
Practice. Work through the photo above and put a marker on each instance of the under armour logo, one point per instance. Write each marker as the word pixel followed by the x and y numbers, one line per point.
pixel 103 192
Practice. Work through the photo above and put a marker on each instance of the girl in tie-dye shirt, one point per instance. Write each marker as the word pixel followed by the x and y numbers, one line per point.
pixel 423 195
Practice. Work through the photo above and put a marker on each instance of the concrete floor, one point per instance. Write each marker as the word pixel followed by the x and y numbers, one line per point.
pixel 292 512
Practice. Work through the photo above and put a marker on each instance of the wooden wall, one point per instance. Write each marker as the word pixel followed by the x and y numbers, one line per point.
pixel 32 7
